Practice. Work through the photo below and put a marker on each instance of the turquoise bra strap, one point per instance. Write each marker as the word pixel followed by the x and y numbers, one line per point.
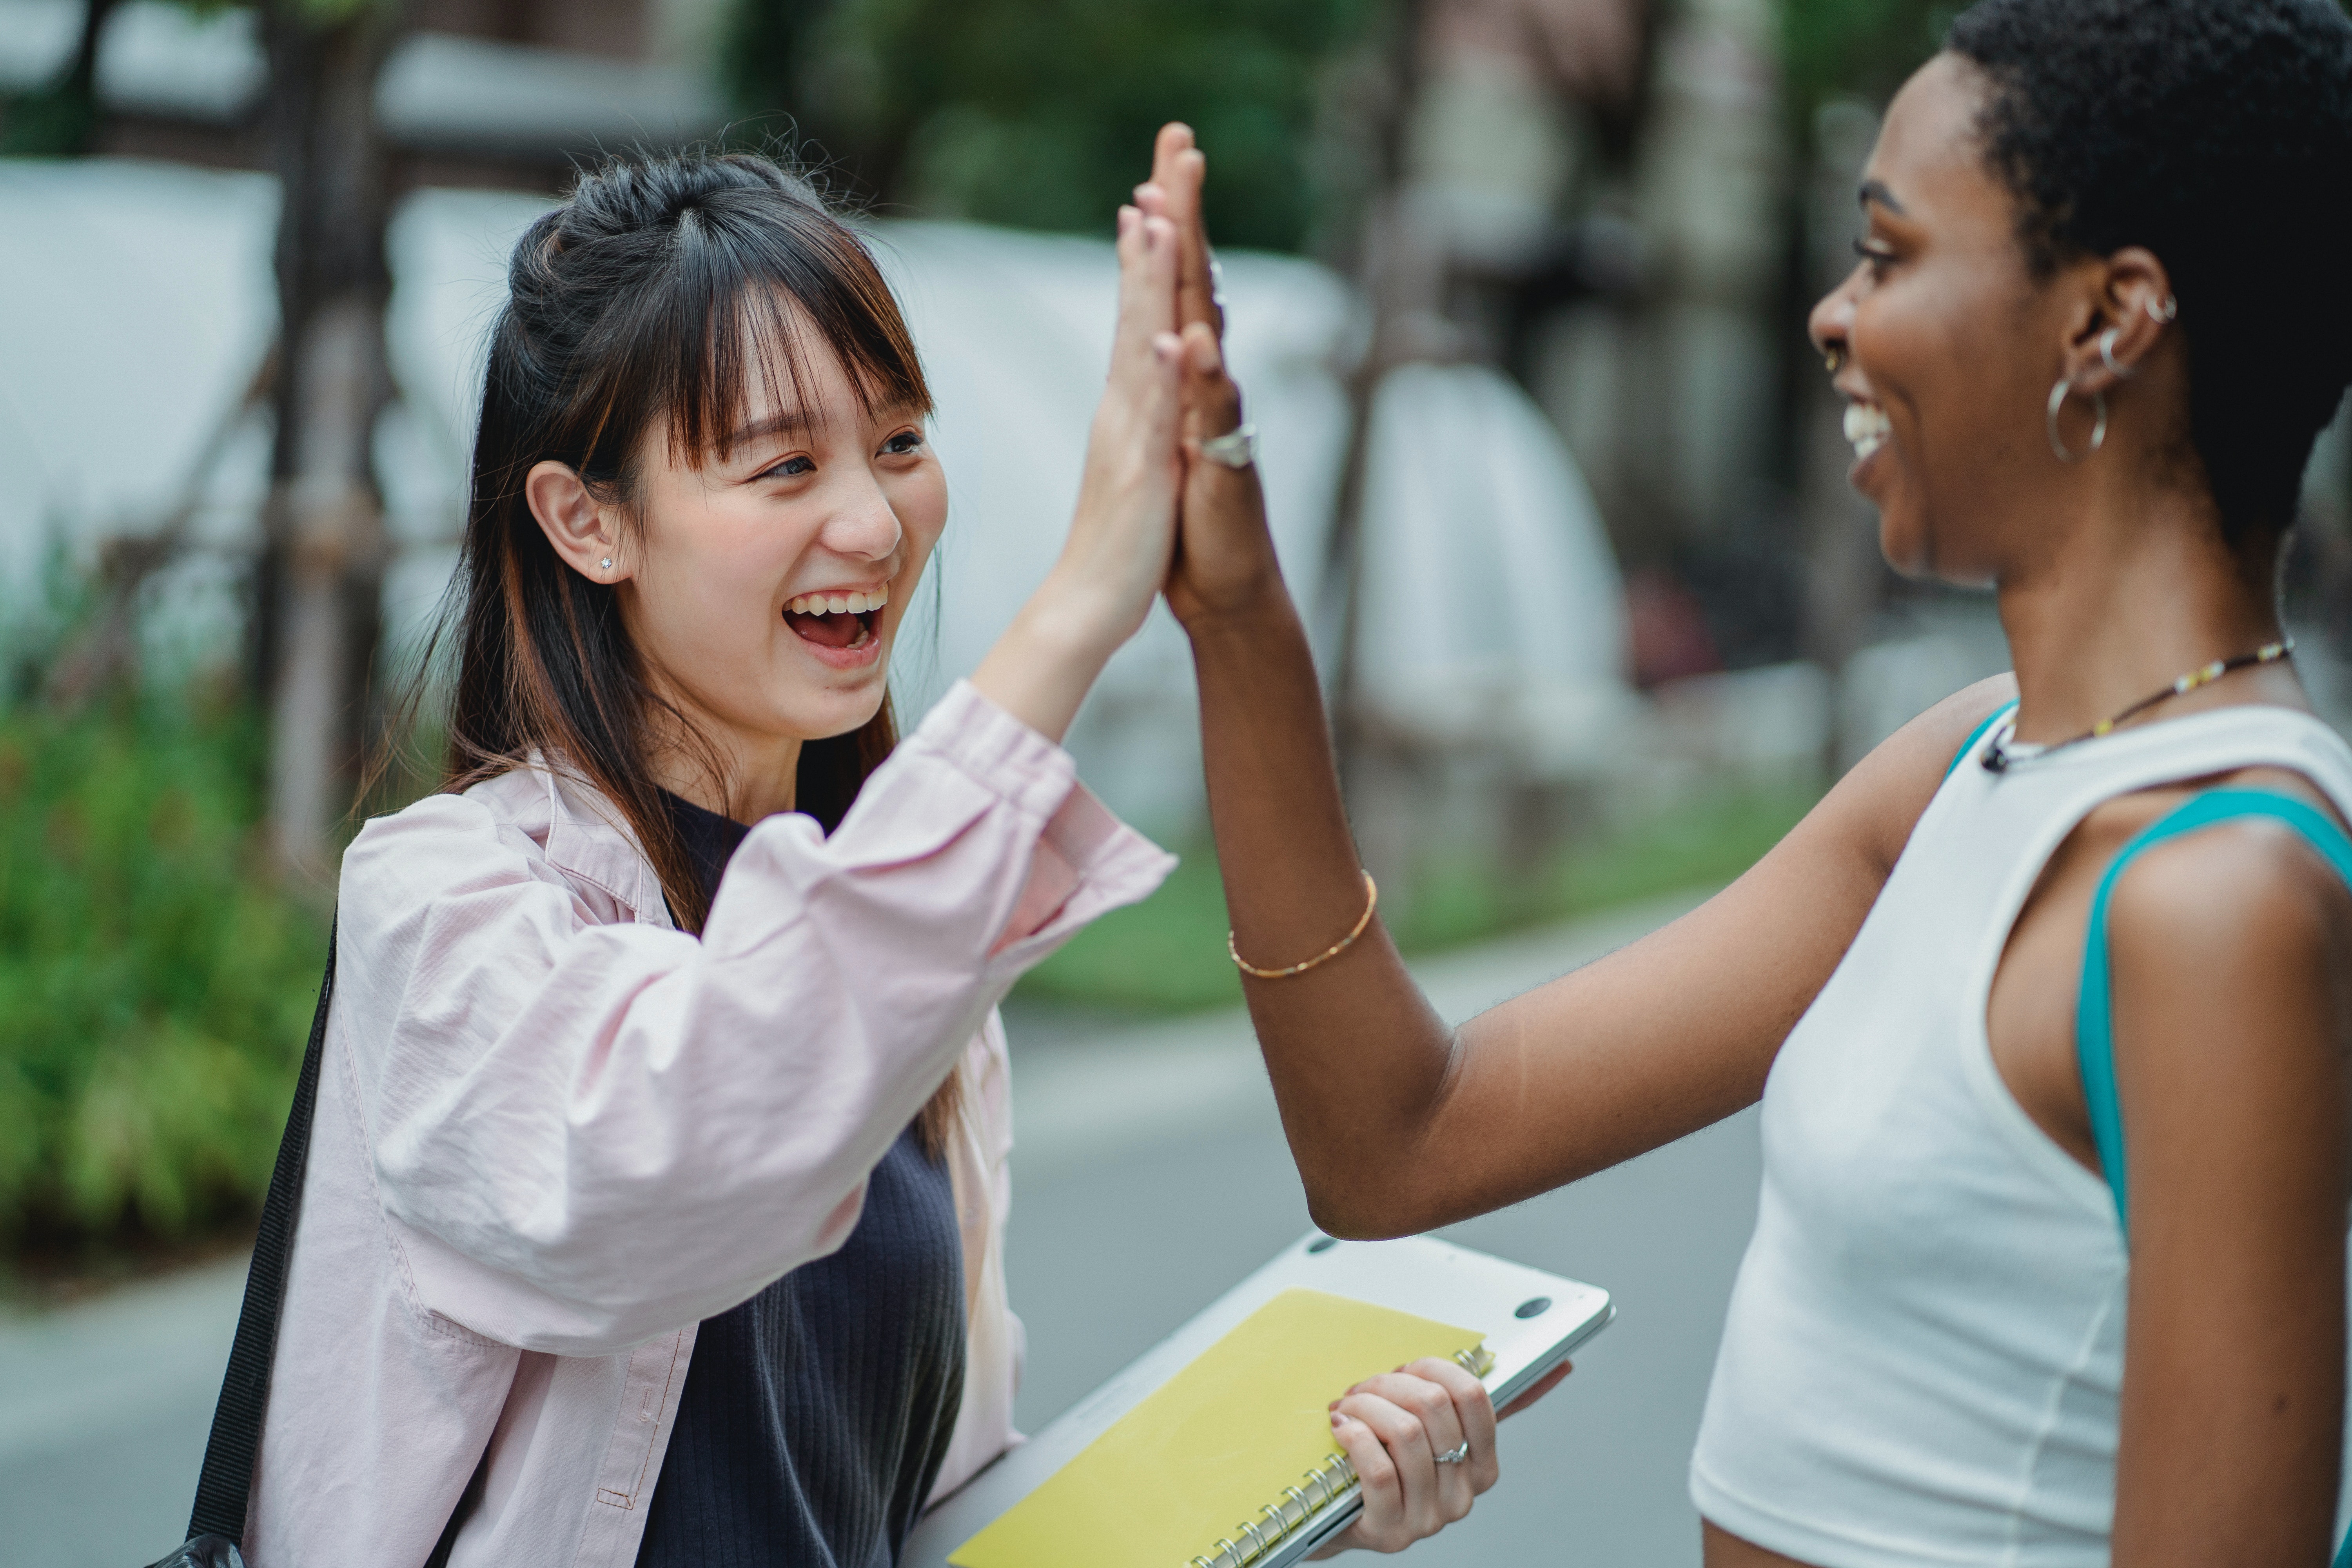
pixel 1978 734
pixel 2094 1044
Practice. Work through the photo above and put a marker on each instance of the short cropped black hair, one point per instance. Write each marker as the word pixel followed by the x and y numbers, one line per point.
pixel 2217 133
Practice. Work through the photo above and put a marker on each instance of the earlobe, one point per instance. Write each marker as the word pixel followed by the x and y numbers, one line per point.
pixel 575 525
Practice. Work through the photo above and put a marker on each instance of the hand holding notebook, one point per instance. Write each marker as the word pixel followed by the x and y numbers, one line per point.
pixel 1217 1450
pixel 1421 1440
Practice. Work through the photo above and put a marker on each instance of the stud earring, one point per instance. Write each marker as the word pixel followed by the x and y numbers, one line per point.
pixel 606 563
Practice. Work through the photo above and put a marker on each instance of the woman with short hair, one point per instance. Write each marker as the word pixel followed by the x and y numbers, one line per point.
pixel 2095 908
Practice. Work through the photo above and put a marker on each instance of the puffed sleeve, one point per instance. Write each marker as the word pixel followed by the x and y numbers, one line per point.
pixel 585 1134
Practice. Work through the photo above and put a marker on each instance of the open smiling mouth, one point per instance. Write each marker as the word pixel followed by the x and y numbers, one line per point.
pixel 837 620
pixel 1867 427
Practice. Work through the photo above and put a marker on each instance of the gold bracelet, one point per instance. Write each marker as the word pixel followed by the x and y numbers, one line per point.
pixel 1329 953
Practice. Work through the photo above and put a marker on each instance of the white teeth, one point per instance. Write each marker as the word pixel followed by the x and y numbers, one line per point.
pixel 1868 427
pixel 838 603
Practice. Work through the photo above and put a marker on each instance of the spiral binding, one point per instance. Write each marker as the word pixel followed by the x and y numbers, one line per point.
pixel 1333 1480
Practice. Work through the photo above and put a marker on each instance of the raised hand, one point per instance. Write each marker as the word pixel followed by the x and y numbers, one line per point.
pixel 1224 557
pixel 1123 533
pixel 1178 171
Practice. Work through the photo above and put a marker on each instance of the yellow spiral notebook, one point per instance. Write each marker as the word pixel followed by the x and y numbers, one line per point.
pixel 1226 1458
pixel 1213 1448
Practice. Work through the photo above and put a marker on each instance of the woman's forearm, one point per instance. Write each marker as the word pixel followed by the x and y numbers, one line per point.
pixel 1359 1059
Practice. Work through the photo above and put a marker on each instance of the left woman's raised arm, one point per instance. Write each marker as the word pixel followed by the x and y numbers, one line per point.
pixel 2231 953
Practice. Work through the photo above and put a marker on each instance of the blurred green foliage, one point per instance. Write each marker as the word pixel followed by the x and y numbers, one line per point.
pixel 1860 49
pixel 1040 113
pixel 1167 955
pixel 155 988
pixel 53 122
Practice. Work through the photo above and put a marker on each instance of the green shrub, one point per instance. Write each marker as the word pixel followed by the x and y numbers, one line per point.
pixel 155 987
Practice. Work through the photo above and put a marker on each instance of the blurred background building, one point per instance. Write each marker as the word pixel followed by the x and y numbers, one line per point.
pixel 1518 291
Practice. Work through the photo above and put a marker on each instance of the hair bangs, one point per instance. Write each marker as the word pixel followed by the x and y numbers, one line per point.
pixel 755 296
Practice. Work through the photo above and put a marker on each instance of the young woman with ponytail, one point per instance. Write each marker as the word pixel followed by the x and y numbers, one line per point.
pixel 656 1188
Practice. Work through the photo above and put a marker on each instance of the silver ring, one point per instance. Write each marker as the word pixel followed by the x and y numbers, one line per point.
pixel 2116 367
pixel 1456 1454
pixel 2098 430
pixel 1235 448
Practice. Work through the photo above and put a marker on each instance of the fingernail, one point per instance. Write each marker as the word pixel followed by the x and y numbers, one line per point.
pixel 1337 1419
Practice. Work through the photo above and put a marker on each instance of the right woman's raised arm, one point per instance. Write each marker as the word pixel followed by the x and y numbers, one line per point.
pixel 584 1134
pixel 1398 1122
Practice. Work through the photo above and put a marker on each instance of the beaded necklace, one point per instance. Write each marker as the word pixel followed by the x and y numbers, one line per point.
pixel 1998 756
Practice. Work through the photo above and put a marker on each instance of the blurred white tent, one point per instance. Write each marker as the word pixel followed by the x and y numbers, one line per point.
pixel 1490 614
pixel 138 307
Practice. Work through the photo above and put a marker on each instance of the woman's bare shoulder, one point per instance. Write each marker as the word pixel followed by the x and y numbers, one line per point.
pixel 2254 887
pixel 1881 798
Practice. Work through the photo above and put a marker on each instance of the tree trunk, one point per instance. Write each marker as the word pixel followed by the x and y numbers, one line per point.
pixel 317 586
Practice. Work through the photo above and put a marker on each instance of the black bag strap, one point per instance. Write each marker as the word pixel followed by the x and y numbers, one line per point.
pixel 226 1479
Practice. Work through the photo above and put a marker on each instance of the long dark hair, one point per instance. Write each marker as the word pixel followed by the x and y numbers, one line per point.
pixel 657 291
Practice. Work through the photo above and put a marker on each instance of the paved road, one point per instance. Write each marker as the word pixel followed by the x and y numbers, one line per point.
pixel 103 1412
pixel 1151 1173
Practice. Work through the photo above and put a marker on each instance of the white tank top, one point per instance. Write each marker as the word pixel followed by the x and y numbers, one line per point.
pixel 1924 1356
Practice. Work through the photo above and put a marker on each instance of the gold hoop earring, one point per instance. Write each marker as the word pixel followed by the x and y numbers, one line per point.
pixel 2098 428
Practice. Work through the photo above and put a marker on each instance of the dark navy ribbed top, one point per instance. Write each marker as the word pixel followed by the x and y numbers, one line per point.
pixel 815 1416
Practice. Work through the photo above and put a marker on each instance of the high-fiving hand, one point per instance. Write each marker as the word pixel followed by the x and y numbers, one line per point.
pixel 1122 535
pixel 1225 561
pixel 1421 1438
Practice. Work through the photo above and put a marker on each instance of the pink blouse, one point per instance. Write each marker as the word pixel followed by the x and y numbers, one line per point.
pixel 554 1133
